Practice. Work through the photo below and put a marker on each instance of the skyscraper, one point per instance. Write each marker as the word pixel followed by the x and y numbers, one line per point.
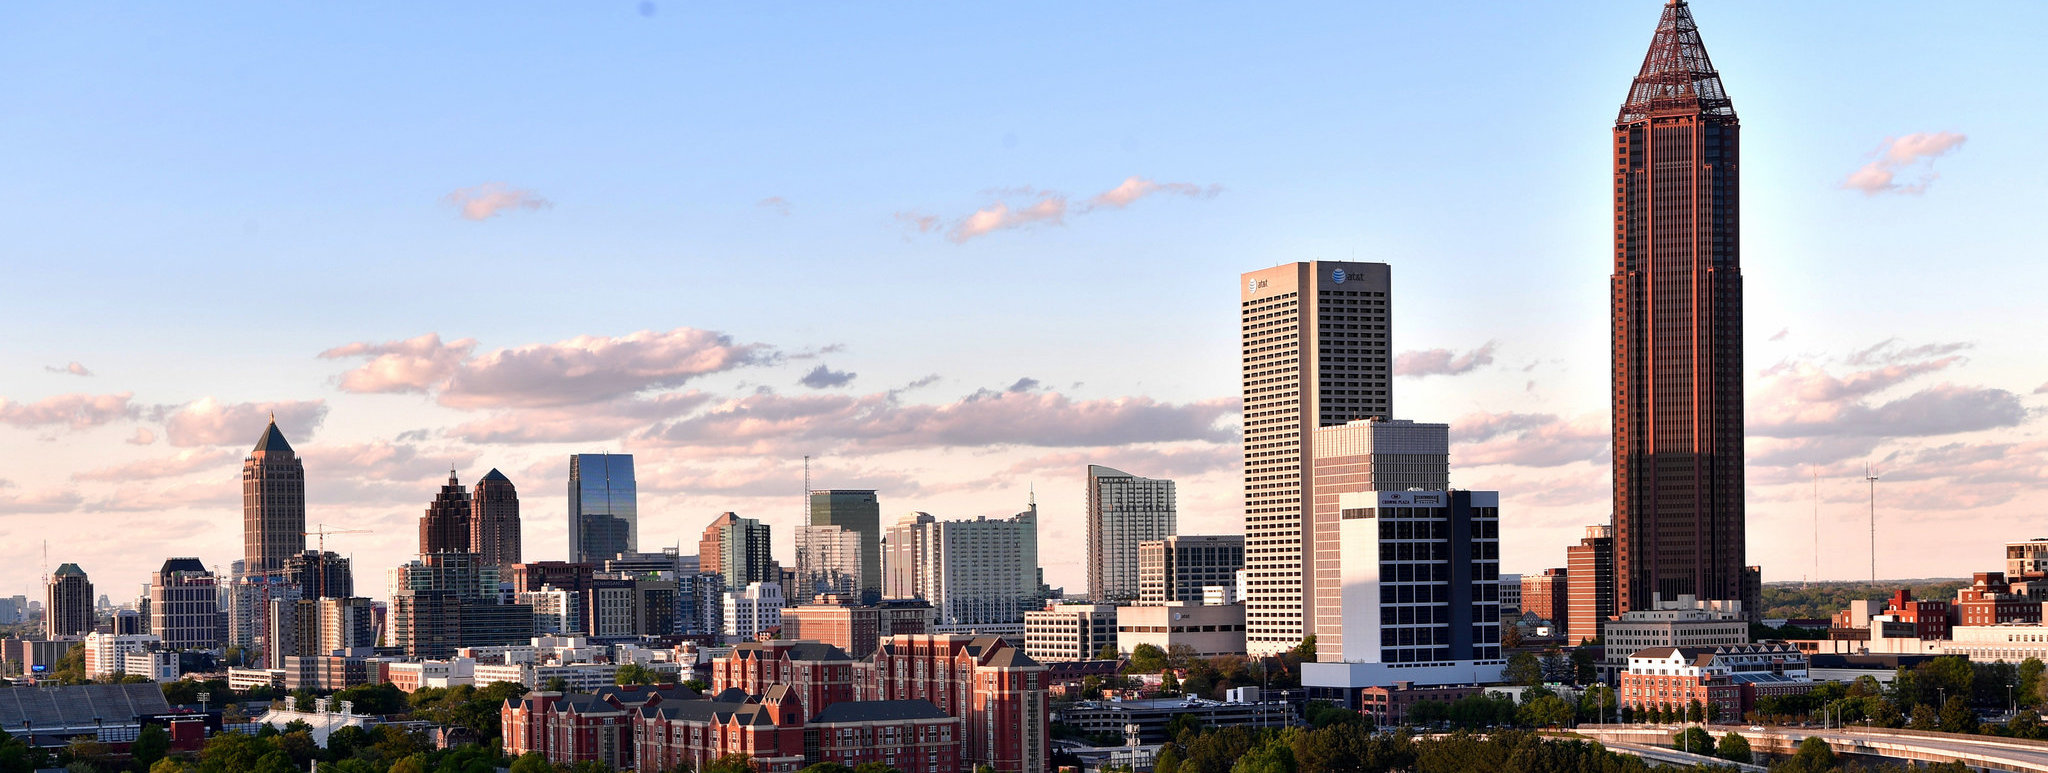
pixel 67 609
pixel 445 527
pixel 859 511
pixel 737 549
pixel 320 575
pixel 1124 511
pixel 1590 567
pixel 273 504
pixel 604 511
pixel 1677 316
pixel 1315 351
pixel 829 560
pixel 184 605
pixel 1362 456
pixel 494 520
pixel 978 573
pixel 1180 567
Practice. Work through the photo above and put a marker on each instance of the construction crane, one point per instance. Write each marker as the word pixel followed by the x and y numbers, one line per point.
pixel 320 530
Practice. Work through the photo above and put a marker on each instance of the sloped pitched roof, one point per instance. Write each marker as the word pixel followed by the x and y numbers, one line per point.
pixel 272 440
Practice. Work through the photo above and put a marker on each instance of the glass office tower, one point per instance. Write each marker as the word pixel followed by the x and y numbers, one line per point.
pixel 604 514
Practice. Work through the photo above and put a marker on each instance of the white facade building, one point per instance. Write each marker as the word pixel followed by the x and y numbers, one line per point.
pixel 1063 633
pixel 1124 511
pixel 107 654
pixel 754 609
pixel 1419 574
pixel 982 572
pixel 1208 631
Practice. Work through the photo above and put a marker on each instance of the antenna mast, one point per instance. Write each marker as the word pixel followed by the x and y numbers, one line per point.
pixel 806 512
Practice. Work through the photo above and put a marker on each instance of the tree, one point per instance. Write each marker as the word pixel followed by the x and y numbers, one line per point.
pixel 1168 760
pixel 697 684
pixel 2025 724
pixel 1523 669
pixel 1956 716
pixel 556 684
pixel 1694 740
pixel 1146 659
pixel 634 673
pixel 1108 652
pixel 170 765
pixel 1270 757
pixel 1814 756
pixel 827 767
pixel 731 763
pixel 1924 718
pixel 1306 650
pixel 1733 748
pixel 1555 667
pixel 150 745
pixel 1584 670
pixel 2028 690
pixel 532 762
pixel 875 767
pixel 1547 711
pixel 1510 636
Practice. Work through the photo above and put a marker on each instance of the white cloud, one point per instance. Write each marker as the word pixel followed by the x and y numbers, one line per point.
pixel 77 411
pixel 74 368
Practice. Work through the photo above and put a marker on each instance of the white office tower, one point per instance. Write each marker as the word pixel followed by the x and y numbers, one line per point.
pixel 753 609
pixel 982 572
pixel 1420 576
pixel 1124 511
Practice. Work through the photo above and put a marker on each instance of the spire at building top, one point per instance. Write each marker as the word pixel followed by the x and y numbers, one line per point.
pixel 272 439
pixel 1676 74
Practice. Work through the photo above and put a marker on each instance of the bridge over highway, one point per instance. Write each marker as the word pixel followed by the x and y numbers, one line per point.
pixel 1977 751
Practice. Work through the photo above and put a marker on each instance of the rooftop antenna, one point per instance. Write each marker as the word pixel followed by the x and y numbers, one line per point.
pixel 806 512
pixel 1872 477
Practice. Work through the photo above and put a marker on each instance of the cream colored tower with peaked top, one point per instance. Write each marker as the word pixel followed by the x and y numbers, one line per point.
pixel 1317 352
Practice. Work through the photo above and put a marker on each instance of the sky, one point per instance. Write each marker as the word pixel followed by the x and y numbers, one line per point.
pixel 956 253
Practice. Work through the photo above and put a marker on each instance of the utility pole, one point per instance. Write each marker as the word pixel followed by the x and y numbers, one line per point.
pixel 1872 477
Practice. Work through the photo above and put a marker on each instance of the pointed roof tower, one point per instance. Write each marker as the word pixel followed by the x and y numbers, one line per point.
pixel 1676 75
pixel 272 439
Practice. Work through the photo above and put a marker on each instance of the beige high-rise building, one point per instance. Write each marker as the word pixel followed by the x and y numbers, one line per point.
pixel 1363 457
pixel 1317 351
pixel 273 505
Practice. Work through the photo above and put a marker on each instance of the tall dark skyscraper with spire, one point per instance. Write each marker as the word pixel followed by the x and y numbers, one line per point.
pixel 1677 316
pixel 445 526
pixel 273 505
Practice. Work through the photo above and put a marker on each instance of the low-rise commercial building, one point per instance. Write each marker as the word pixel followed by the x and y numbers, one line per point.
pixel 1389 706
pixel 1724 680
pixel 1062 633
pixel 1208 631
pixel 856 628
pixel 1684 622
pixel 1141 722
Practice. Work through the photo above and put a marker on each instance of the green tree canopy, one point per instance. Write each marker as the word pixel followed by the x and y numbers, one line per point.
pixel 1733 748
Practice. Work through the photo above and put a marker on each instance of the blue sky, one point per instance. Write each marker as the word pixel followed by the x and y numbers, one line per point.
pixel 200 200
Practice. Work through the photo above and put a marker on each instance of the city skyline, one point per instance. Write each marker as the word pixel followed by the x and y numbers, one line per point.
pixel 1940 397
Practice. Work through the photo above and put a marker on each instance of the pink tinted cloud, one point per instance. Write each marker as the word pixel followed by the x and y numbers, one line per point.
pixel 1048 210
pixel 186 462
pixel 986 418
pixel 74 368
pixel 1134 188
pixel 14 500
pixel 1442 362
pixel 584 423
pixel 1808 400
pixel 1528 439
pixel 483 202
pixel 577 371
pixel 208 421
pixel 1903 153
pixel 411 365
pixel 143 436
pixel 77 411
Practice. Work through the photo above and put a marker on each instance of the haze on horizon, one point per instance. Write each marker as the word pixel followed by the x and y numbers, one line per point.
pixel 958 254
